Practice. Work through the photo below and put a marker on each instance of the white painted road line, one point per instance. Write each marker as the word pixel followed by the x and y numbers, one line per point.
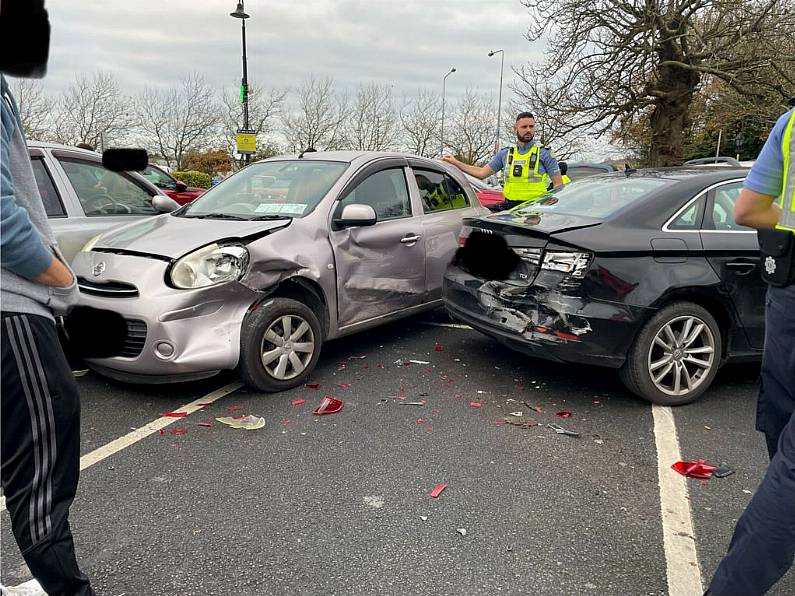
pixel 96 456
pixel 679 540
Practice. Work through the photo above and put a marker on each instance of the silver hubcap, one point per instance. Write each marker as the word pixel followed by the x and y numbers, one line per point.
pixel 287 347
pixel 681 356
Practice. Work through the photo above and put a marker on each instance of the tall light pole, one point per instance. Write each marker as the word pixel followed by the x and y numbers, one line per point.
pixel 240 13
pixel 499 101
pixel 444 81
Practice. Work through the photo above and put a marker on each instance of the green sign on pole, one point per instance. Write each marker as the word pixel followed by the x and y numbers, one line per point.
pixel 243 93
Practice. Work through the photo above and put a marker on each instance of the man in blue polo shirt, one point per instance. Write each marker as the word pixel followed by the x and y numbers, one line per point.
pixel 528 167
pixel 763 544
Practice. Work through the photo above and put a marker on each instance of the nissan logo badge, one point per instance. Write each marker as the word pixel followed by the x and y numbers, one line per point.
pixel 98 269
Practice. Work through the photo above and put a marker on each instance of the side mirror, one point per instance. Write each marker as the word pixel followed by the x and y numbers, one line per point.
pixel 164 204
pixel 181 186
pixel 356 215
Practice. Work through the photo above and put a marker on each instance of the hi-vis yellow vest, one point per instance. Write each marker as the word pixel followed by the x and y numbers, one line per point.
pixel 530 184
pixel 787 199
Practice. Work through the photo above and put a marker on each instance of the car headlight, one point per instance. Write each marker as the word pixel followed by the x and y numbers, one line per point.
pixel 573 263
pixel 91 243
pixel 210 265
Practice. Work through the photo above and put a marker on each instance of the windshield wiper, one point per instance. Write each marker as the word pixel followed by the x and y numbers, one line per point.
pixel 267 217
pixel 215 216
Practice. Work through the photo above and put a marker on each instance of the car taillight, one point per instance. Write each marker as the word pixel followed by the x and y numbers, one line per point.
pixel 463 235
pixel 572 263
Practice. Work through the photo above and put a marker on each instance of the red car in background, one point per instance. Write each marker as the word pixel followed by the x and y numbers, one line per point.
pixel 488 196
pixel 176 189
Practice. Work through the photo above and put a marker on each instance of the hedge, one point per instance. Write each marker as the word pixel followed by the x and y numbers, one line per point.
pixel 194 178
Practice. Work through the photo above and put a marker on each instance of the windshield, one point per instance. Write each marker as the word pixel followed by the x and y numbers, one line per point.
pixel 597 196
pixel 268 190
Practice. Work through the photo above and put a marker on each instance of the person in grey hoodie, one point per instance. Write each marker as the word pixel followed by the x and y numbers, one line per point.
pixel 40 415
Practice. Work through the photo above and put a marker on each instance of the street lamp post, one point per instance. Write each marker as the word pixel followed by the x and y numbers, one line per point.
pixel 240 13
pixel 499 101
pixel 444 81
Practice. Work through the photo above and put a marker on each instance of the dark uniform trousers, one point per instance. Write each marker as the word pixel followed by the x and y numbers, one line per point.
pixel 40 455
pixel 763 545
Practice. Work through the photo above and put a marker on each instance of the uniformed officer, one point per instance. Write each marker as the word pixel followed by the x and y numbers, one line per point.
pixel 763 544
pixel 527 167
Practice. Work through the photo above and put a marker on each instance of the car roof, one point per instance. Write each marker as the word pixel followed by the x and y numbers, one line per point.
pixel 43 145
pixel 708 174
pixel 352 156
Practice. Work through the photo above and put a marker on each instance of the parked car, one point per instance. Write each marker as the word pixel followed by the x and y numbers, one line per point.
pixel 489 196
pixel 724 161
pixel 645 272
pixel 82 198
pixel 256 280
pixel 176 189
pixel 583 169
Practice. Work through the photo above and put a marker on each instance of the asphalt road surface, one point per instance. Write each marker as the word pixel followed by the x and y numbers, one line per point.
pixel 341 504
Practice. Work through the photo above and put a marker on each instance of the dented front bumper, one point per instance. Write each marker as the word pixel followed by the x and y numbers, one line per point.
pixel 544 317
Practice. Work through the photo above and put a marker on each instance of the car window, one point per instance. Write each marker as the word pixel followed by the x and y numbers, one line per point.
pixel 690 218
pixel 279 188
pixel 102 192
pixel 721 215
pixel 47 190
pixel 439 192
pixel 385 191
pixel 158 178
pixel 596 197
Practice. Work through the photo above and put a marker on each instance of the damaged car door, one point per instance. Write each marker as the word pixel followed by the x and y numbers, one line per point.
pixel 380 267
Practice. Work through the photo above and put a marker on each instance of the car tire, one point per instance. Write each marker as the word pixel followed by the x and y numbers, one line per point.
pixel 272 360
pixel 682 340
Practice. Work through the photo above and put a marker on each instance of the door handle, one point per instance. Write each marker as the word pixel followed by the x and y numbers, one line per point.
pixel 411 239
pixel 741 267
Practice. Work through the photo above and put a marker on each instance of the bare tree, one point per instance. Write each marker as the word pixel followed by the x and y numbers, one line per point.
pixel 263 108
pixel 471 134
pixel 93 110
pixel 372 122
pixel 616 61
pixel 420 119
pixel 180 120
pixel 35 108
pixel 318 118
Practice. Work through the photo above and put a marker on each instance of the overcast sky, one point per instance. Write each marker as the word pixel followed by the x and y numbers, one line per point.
pixel 410 44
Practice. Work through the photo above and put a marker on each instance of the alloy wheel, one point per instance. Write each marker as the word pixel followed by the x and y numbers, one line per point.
pixel 682 355
pixel 287 347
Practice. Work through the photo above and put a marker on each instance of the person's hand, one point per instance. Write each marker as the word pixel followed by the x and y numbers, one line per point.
pixel 449 158
pixel 57 275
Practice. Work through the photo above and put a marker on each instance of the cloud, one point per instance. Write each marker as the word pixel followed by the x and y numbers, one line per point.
pixel 409 44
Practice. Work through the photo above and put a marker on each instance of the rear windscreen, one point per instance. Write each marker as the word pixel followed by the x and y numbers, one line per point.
pixel 595 197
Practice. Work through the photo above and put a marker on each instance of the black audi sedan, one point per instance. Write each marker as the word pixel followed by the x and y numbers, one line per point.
pixel 643 271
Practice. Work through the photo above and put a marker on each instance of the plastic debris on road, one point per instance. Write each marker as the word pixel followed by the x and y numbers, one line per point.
pixel 297 402
pixel 698 469
pixel 536 409
pixel 722 471
pixel 520 422
pixel 563 414
pixel 439 347
pixel 234 408
pixel 424 517
pixel 205 425
pixel 344 385
pixel 437 490
pixel 412 403
pixel 475 404
pixel 517 414
pixel 329 405
pixel 562 431
pixel 462 531
pixel 179 431
pixel 174 415
pixel 249 422
pixel 312 385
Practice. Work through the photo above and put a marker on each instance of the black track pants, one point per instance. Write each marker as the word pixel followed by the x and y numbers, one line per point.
pixel 40 454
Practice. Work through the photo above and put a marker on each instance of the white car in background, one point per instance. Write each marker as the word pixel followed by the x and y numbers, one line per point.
pixel 83 198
